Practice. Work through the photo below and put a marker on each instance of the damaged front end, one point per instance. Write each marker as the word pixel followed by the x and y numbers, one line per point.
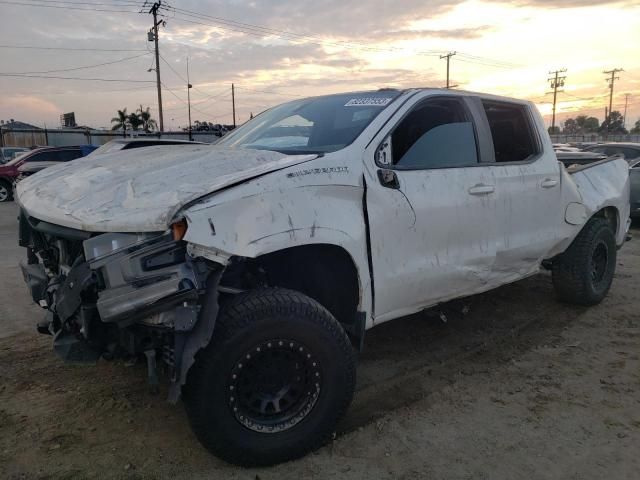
pixel 114 293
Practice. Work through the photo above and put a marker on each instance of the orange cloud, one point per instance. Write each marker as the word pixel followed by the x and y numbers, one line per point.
pixel 28 108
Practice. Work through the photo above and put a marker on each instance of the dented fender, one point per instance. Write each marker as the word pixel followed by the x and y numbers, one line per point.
pixel 605 184
pixel 587 190
pixel 283 211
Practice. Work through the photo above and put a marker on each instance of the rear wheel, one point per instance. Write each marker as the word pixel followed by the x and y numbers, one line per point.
pixel 275 380
pixel 5 191
pixel 584 273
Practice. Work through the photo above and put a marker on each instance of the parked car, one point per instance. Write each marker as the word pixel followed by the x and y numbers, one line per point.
pixel 565 147
pixel 253 267
pixel 36 160
pixel 579 158
pixel 9 153
pixel 49 156
pixel 630 151
pixel 634 178
pixel 129 143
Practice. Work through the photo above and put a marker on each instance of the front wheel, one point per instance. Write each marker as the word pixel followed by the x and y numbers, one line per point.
pixel 584 273
pixel 5 191
pixel 276 378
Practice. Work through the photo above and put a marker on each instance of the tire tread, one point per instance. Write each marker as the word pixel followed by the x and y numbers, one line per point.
pixel 569 273
pixel 236 316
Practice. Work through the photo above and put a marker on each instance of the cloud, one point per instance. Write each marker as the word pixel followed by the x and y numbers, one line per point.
pixel 575 3
pixel 307 62
pixel 26 106
pixel 455 33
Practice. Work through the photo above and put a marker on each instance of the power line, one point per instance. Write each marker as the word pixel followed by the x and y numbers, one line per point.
pixel 185 80
pixel 62 7
pixel 242 27
pixel 32 47
pixel 488 60
pixel 261 32
pixel 485 64
pixel 586 99
pixel 74 78
pixel 84 67
pixel 119 3
pixel 182 100
pixel 291 95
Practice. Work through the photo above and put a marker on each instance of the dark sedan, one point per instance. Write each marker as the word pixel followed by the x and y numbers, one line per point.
pixel 631 151
pixel 634 180
pixel 34 161
pixel 129 143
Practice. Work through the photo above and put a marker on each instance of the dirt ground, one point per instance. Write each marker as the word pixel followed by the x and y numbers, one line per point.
pixel 512 385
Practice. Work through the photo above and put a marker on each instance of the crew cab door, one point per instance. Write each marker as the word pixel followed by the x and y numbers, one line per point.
pixel 430 206
pixel 527 176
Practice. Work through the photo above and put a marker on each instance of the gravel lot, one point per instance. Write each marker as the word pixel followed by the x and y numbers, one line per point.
pixel 512 385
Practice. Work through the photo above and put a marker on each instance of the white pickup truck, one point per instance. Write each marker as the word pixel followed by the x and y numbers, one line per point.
pixel 252 268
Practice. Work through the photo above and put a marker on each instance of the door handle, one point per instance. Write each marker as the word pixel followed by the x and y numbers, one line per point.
pixel 481 189
pixel 549 183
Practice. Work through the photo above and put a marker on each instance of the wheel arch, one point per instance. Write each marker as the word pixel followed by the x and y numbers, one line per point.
pixel 325 272
pixel 611 214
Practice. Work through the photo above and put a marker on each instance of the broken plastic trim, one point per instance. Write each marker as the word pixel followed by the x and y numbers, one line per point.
pixel 188 344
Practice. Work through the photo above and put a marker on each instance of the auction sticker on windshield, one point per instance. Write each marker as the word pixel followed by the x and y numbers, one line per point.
pixel 368 102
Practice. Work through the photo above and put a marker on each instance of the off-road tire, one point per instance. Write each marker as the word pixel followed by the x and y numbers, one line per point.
pixel 6 187
pixel 259 319
pixel 575 278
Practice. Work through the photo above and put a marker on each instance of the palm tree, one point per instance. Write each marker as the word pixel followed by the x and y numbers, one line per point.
pixel 121 121
pixel 148 123
pixel 134 120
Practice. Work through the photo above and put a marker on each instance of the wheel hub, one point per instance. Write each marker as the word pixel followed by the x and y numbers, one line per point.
pixel 274 386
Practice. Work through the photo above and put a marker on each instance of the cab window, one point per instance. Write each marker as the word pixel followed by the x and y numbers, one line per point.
pixel 511 131
pixel 438 133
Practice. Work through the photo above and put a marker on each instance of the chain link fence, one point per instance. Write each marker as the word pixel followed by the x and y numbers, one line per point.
pixel 77 136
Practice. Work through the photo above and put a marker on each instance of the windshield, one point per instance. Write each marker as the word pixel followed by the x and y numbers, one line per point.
pixel 9 153
pixel 311 125
pixel 17 160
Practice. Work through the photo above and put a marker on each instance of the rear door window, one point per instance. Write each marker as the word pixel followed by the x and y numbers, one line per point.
pixel 629 153
pixel 511 131
pixel 56 156
pixel 38 157
pixel 66 155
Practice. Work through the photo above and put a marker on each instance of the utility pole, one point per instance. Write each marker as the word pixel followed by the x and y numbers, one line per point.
pixel 189 86
pixel 611 81
pixel 448 57
pixel 233 103
pixel 156 23
pixel 556 82
pixel 624 117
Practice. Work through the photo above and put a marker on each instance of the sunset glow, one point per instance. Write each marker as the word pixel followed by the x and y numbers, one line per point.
pixel 505 48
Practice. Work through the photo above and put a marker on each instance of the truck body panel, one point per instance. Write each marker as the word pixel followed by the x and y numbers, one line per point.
pixel 456 220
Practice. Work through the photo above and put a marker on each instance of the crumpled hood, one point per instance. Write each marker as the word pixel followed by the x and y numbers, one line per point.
pixel 141 189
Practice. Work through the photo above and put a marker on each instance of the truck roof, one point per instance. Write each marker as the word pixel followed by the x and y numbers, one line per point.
pixel 448 91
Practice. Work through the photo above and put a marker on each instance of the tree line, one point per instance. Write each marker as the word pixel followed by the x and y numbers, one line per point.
pixel 583 124
pixel 138 120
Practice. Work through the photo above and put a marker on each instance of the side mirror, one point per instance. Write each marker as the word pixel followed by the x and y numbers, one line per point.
pixel 383 153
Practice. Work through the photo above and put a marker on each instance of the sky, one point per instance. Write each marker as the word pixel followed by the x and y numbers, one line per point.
pixel 285 49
